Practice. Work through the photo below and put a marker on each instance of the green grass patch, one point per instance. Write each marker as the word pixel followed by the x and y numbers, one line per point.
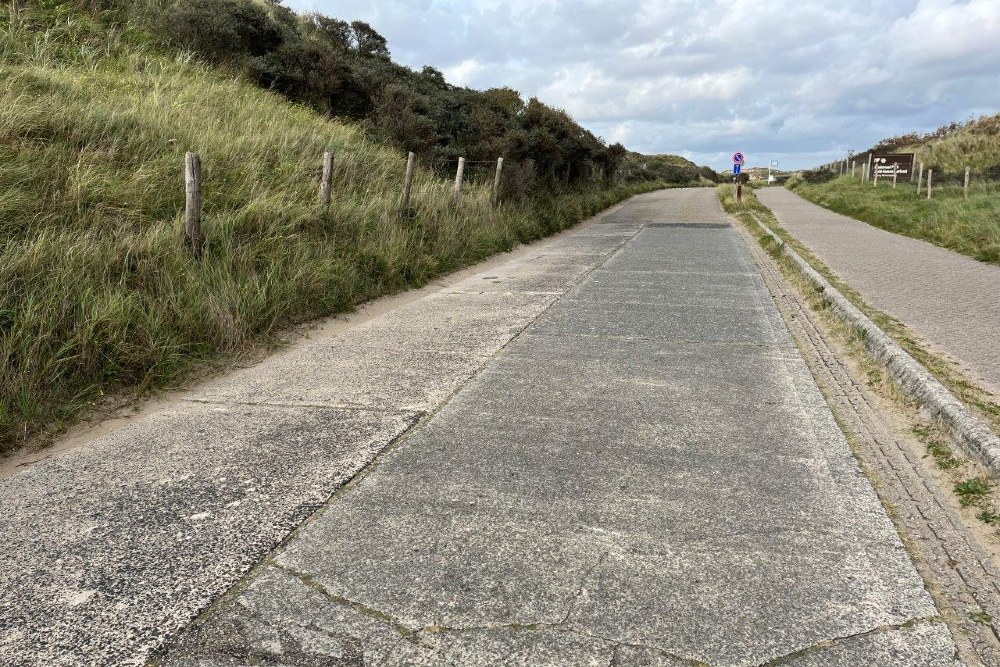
pixel 972 491
pixel 968 226
pixel 988 517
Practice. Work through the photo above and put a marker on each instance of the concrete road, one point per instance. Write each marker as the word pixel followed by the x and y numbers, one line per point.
pixel 946 298
pixel 642 473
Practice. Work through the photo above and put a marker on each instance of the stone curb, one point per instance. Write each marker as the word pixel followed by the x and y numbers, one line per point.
pixel 971 432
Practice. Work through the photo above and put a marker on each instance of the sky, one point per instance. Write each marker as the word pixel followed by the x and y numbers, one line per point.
pixel 797 81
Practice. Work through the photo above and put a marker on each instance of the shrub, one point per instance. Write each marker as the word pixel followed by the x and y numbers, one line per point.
pixel 220 30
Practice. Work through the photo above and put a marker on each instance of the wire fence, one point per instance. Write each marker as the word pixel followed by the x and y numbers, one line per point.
pixel 927 180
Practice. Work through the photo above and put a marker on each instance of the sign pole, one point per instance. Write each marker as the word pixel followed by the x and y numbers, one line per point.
pixel 737 169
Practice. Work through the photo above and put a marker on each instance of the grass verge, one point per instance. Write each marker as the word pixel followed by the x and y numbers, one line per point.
pixel 968 226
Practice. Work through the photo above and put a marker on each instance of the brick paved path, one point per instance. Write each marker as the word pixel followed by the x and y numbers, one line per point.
pixel 951 301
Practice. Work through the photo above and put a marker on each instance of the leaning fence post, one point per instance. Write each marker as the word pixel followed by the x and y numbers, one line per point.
pixel 966 188
pixel 930 177
pixel 192 204
pixel 458 179
pixel 920 178
pixel 496 181
pixel 408 183
pixel 324 184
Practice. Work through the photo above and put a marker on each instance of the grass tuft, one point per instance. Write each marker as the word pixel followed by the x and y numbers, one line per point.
pixel 972 491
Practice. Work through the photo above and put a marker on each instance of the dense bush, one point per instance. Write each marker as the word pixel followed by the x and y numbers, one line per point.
pixel 821 175
pixel 344 69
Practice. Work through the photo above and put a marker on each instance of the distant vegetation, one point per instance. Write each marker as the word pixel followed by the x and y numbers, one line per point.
pixel 344 69
pixel 951 148
pixel 969 226
pixel 97 290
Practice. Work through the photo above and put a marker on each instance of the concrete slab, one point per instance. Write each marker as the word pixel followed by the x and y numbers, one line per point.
pixel 112 547
pixel 750 324
pixel 411 359
pixel 646 475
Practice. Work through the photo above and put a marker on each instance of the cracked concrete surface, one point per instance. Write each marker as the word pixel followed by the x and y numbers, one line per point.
pixel 645 475
pixel 113 547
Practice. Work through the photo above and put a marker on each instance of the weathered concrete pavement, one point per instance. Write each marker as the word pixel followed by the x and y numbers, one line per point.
pixel 646 475
pixel 947 299
pixel 606 451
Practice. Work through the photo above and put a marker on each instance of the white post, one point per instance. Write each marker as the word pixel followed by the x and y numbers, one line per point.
pixel 930 178
pixel 496 181
pixel 966 189
pixel 920 178
pixel 895 173
pixel 324 184
pixel 854 163
pixel 458 179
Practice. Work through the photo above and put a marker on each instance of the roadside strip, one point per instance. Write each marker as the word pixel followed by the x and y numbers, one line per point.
pixel 968 430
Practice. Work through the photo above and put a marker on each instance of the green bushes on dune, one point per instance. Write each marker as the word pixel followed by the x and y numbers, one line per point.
pixel 97 289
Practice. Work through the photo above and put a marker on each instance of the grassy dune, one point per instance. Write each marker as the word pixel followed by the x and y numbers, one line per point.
pixel 976 145
pixel 97 291
pixel 971 227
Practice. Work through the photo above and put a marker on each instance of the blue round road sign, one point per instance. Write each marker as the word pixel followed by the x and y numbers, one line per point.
pixel 737 158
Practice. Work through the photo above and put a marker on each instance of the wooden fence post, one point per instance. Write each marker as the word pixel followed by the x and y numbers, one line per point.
pixel 966 187
pixel 930 178
pixel 875 180
pixel 408 183
pixel 920 178
pixel 192 207
pixel 854 163
pixel 324 184
pixel 895 173
pixel 458 179
pixel 496 181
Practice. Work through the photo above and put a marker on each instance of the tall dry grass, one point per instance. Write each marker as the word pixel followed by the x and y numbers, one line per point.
pixel 976 145
pixel 97 290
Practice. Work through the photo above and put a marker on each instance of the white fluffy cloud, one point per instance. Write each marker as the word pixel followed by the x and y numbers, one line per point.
pixel 800 82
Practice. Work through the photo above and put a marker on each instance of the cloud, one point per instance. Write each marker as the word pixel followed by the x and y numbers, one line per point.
pixel 939 30
pixel 800 82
